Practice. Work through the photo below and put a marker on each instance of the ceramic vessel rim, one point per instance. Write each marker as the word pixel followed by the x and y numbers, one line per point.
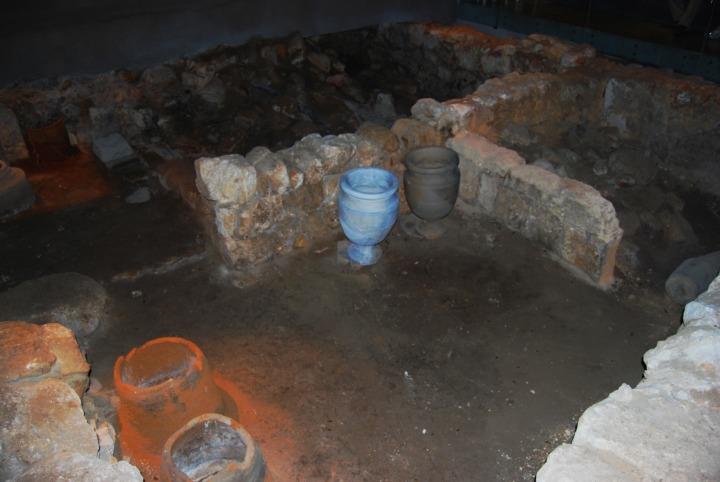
pixel 452 159
pixel 387 175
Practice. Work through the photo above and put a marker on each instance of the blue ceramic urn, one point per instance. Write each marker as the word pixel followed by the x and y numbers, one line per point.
pixel 368 204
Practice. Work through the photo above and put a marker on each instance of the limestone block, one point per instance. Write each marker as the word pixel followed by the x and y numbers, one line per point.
pixel 320 61
pixel 250 250
pixel 71 299
pixel 272 173
pixel 192 81
pixel 380 135
pixel 113 150
pixel 452 117
pixel 692 345
pixel 296 177
pixel 524 203
pixel 80 468
pixel 15 192
pixel 35 352
pixel 213 92
pixel 561 53
pixel 483 165
pixel 304 161
pixel 705 310
pixel 331 189
pixel 499 62
pixel 622 103
pixel 414 133
pixel 366 152
pixel 591 230
pixel 334 151
pixel 314 156
pixel 686 365
pixel 666 439
pixel 226 179
pixel 634 166
pixel 268 211
pixel 574 463
pixel 583 207
pixel 39 420
pixel 11 138
pixel 159 75
pixel 227 219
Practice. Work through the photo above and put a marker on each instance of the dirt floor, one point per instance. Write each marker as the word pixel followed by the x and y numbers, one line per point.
pixel 465 358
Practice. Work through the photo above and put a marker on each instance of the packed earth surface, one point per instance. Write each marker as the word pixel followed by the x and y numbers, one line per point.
pixel 468 357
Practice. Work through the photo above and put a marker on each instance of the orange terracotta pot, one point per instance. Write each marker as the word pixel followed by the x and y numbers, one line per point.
pixel 50 142
pixel 212 447
pixel 161 386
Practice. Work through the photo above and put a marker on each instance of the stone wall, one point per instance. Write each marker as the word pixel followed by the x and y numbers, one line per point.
pixel 640 123
pixel 568 218
pixel 266 203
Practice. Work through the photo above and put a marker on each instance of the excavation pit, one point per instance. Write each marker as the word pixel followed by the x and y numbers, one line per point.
pixel 469 356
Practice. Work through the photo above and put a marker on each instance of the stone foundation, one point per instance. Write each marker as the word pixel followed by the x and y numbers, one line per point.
pixel 562 95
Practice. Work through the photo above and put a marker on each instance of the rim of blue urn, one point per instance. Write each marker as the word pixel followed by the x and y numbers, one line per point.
pixel 369 182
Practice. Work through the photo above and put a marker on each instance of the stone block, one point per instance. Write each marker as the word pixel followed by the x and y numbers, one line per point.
pixel 705 310
pixel 15 192
pixel 335 152
pixel 687 365
pixel 113 150
pixel 272 173
pixel 574 463
pixel 304 161
pixel 560 54
pixel 430 115
pixel 36 352
pixel 380 135
pixel 11 138
pixel 483 166
pixel 366 152
pixel 39 420
pixel 665 438
pixel 71 299
pixel 227 219
pixel 80 468
pixel 591 230
pixel 226 179
pixel 268 211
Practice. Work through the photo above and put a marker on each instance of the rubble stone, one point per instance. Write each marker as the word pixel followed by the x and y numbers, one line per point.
pixel 113 150
pixel 11 138
pixel 272 173
pixel 381 135
pixel 35 352
pixel 71 299
pixel 39 420
pixel 226 179
pixel 80 468
pixel 16 194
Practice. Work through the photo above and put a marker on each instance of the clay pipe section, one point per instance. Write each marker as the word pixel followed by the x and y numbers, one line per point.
pixel 212 447
pixel 161 386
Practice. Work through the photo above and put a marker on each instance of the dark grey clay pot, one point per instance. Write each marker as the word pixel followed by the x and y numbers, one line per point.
pixel 432 180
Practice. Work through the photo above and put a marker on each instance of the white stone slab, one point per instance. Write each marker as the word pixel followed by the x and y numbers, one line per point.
pixel 113 150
